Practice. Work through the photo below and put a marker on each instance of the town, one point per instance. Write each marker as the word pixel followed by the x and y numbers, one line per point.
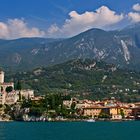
pixel 17 104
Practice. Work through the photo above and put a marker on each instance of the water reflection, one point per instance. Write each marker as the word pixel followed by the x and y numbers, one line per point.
pixel 2 131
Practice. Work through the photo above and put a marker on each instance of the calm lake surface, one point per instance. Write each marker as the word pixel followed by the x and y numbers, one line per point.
pixel 70 131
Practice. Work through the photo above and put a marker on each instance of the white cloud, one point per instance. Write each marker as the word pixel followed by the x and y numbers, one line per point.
pixel 134 16
pixel 101 18
pixel 4 32
pixel 17 28
pixel 53 28
pixel 136 7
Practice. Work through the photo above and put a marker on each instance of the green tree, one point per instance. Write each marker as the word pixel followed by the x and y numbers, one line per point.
pixel 9 89
pixel 35 111
pixel 18 86
pixel 104 115
pixel 122 113
pixel 73 107
pixel 20 96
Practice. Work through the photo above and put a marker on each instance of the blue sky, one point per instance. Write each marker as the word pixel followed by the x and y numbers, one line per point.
pixel 59 18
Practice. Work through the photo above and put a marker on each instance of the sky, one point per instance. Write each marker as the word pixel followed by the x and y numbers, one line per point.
pixel 64 18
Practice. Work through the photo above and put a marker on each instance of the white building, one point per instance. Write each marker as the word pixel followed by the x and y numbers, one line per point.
pixel 116 117
pixel 13 96
pixel 1 77
pixel 4 85
pixel 27 93
pixel 2 98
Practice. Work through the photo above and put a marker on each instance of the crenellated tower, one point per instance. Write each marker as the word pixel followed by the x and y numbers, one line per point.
pixel 1 77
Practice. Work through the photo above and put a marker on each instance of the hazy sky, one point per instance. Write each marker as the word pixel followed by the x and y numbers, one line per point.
pixel 64 18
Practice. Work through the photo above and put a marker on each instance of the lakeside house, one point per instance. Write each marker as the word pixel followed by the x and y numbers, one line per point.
pixel 111 109
pixel 115 113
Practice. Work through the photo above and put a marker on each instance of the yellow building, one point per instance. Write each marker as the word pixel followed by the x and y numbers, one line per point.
pixel 115 112
pixel 92 111
pixel 127 111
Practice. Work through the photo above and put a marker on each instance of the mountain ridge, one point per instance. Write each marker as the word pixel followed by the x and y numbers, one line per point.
pixel 120 47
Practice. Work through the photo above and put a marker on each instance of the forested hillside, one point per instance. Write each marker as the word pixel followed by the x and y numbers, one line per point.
pixel 82 77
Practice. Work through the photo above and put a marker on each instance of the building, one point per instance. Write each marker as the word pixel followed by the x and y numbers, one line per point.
pixel 136 113
pixel 27 94
pixel 113 112
pixel 10 96
pixel 2 98
pixel 116 117
pixel 1 77
pixel 93 111
pixel 84 103
pixel 68 103
pixel 4 85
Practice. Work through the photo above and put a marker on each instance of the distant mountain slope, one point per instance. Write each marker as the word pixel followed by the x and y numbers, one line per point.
pixel 85 78
pixel 119 47
pixel 21 53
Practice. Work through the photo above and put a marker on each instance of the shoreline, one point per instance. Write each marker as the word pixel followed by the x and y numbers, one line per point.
pixel 125 120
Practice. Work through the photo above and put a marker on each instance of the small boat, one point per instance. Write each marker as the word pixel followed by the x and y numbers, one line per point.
pixel 90 120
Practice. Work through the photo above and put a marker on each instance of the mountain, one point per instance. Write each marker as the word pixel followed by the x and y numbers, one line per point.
pixel 84 78
pixel 120 47
pixel 21 53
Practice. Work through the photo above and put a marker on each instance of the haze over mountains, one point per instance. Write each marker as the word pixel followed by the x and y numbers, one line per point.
pixel 120 47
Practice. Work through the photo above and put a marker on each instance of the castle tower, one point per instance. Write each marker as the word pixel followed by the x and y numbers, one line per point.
pixel 1 77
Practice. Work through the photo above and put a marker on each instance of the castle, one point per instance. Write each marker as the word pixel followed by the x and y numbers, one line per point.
pixel 10 96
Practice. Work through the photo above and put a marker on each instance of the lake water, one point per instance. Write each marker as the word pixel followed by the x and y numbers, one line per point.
pixel 70 131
